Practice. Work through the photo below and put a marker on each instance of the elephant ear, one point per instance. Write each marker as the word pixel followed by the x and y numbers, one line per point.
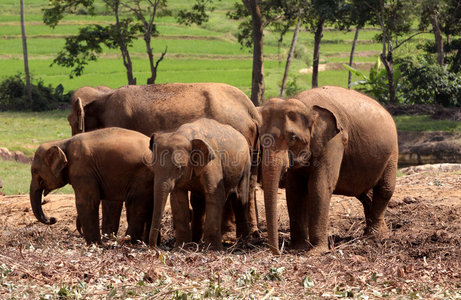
pixel 324 127
pixel 56 160
pixel 152 142
pixel 201 153
pixel 80 113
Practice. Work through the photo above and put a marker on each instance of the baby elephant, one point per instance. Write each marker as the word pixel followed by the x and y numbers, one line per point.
pixel 208 158
pixel 102 164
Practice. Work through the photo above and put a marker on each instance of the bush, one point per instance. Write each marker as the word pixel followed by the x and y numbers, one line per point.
pixel 424 81
pixel 376 84
pixel 13 95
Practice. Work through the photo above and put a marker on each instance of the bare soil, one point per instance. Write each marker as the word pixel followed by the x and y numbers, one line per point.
pixel 421 258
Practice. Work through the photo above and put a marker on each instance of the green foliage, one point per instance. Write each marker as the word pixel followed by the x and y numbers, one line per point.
pixel 376 83
pixel 13 95
pixel 197 15
pixel 292 87
pixel 424 81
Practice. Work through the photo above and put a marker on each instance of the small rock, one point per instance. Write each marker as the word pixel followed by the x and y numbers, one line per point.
pixel 5 154
pixel 409 200
pixel 20 157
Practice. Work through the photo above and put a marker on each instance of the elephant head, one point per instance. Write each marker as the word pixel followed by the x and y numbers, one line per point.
pixel 48 173
pixel 175 159
pixel 290 128
pixel 80 99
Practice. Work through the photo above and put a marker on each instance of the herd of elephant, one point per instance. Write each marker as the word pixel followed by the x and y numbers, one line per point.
pixel 205 145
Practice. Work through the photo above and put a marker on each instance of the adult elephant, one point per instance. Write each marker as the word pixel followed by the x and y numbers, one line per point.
pixel 80 98
pixel 151 108
pixel 339 141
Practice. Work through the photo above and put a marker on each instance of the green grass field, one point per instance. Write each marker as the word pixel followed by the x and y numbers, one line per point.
pixel 207 53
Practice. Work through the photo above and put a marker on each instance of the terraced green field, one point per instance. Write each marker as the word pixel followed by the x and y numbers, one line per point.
pixel 204 53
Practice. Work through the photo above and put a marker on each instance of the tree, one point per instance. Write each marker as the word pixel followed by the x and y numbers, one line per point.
pixel 148 29
pixel 24 51
pixel 255 16
pixel 355 13
pixel 317 13
pixel 87 44
pixel 431 11
pixel 394 18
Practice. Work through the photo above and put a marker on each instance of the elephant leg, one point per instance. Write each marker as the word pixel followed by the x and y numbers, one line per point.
pixel 136 215
pixel 215 198
pixel 181 216
pixel 87 203
pixel 252 205
pixel 198 214
pixel 382 193
pixel 322 182
pixel 296 195
pixel 366 199
pixel 111 211
pixel 241 216
pixel 228 227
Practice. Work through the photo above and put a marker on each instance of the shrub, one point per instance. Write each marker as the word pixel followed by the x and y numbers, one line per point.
pixel 376 84
pixel 13 95
pixel 424 81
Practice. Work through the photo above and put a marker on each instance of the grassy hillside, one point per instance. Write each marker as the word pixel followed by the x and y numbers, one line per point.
pixel 198 53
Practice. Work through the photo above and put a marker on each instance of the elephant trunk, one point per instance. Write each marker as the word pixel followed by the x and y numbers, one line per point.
pixel 162 189
pixel 36 201
pixel 272 163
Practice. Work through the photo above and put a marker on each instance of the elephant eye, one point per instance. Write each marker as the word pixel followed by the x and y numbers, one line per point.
pixel 293 137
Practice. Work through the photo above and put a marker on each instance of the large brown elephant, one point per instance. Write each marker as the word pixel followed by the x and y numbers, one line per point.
pixel 103 164
pixel 339 141
pixel 208 158
pixel 151 108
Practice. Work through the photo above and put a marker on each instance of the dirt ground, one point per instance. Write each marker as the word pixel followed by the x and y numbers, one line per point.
pixel 420 259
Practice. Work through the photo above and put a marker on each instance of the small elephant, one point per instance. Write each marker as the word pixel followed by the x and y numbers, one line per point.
pixel 102 164
pixel 208 158
pixel 339 141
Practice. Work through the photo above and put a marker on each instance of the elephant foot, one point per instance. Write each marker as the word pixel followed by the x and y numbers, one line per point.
pixel 215 246
pixel 378 231
pixel 255 233
pixel 299 245
pixel 318 250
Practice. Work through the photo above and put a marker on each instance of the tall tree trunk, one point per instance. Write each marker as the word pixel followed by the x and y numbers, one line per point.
pixel 386 56
pixel 123 47
pixel 438 37
pixel 153 70
pixel 315 64
pixel 24 51
pixel 351 57
pixel 290 55
pixel 389 65
pixel 257 80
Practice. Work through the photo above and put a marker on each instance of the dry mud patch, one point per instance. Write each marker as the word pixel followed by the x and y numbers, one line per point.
pixel 420 259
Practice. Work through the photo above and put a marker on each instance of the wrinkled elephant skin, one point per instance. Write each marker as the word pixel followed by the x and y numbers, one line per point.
pixel 208 158
pixel 152 108
pixel 339 141
pixel 103 164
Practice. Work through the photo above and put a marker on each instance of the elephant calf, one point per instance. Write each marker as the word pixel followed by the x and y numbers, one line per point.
pixel 204 157
pixel 102 164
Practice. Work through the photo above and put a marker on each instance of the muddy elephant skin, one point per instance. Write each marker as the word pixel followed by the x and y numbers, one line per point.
pixel 102 164
pixel 339 141
pixel 208 158
pixel 152 108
